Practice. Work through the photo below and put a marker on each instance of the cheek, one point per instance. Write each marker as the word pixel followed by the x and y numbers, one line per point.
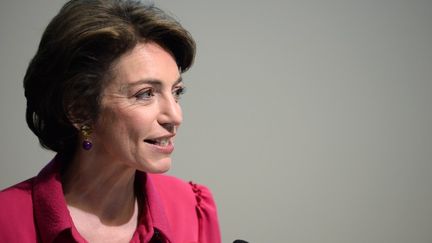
pixel 127 124
pixel 135 123
pixel 112 123
pixel 138 124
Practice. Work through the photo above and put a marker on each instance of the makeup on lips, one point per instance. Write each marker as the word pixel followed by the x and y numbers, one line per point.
pixel 162 144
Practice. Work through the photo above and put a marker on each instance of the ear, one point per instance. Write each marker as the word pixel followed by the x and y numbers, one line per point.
pixel 76 120
pixel 78 117
pixel 77 125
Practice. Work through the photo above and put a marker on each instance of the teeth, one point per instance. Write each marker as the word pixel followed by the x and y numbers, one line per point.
pixel 163 142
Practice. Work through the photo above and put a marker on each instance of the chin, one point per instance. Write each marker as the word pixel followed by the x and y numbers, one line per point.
pixel 157 166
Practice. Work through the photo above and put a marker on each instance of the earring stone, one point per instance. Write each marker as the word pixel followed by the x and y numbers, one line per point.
pixel 87 145
pixel 86 131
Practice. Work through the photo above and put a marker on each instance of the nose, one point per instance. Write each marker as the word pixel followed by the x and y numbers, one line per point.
pixel 170 116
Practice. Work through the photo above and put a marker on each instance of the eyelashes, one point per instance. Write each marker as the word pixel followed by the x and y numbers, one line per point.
pixel 179 92
pixel 144 94
pixel 147 94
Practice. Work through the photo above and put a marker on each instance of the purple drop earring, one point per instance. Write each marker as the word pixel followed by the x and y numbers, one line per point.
pixel 86 131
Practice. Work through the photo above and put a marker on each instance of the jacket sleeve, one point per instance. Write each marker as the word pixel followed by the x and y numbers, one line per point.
pixel 207 215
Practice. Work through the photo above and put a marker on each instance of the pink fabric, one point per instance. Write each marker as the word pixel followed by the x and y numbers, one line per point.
pixel 178 212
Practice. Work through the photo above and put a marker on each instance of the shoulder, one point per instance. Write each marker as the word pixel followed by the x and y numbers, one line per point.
pixel 189 205
pixel 170 183
pixel 173 191
pixel 16 197
pixel 170 186
pixel 16 210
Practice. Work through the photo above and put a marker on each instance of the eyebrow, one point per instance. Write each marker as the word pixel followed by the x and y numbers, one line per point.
pixel 153 82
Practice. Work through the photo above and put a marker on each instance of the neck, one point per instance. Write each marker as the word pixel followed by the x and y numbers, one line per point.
pixel 100 187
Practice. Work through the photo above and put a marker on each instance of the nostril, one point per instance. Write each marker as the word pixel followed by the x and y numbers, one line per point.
pixel 169 127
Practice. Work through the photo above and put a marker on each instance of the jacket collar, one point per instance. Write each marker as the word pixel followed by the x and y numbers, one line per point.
pixel 50 210
pixel 156 217
pixel 52 216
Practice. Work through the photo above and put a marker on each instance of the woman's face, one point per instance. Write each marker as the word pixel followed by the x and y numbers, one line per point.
pixel 140 112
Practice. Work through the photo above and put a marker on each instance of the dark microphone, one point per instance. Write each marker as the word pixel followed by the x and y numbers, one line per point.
pixel 240 241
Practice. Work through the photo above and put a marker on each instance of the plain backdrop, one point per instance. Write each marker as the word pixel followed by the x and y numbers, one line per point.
pixel 310 120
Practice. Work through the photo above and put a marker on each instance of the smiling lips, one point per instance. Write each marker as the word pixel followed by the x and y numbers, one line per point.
pixel 162 144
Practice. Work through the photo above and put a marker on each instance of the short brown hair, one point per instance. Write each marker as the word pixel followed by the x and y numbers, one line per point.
pixel 64 80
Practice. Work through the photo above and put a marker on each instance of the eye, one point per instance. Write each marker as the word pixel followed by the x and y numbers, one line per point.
pixel 178 92
pixel 144 94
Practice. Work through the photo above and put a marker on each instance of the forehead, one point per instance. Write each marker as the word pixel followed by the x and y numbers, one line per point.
pixel 145 61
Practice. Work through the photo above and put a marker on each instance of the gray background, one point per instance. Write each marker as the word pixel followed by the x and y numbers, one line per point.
pixel 309 120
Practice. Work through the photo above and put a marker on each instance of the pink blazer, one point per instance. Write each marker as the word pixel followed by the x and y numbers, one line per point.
pixel 178 212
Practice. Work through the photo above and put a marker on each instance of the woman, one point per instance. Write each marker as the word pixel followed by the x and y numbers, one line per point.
pixel 102 91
